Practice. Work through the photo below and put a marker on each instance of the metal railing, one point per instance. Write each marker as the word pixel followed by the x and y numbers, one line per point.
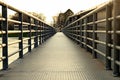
pixel 36 33
pixel 99 32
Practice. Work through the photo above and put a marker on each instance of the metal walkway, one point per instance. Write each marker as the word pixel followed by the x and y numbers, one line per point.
pixel 57 59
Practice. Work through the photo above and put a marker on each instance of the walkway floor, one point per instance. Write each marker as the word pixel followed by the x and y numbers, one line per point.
pixel 57 59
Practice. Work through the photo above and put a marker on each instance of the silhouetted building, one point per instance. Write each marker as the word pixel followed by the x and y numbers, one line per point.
pixel 62 17
pixel 74 17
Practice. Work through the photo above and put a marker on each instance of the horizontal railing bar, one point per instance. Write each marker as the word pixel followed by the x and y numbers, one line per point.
pixel 84 24
pixel 33 43
pixel 32 30
pixel 26 31
pixel 26 47
pixel 101 42
pixel 118 32
pixel 33 37
pixel 2 19
pixel 15 42
pixel 83 30
pixel 14 21
pixel 26 39
pixel 77 40
pixel 25 23
pixel 90 39
pixel 110 19
pixel 83 43
pixel 13 32
pixel 110 58
pixel 117 62
pixel 90 23
pixel 118 17
pixel 14 53
pixel 2 32
pixel 2 45
pixel 89 31
pixel 100 21
pixel 100 52
pixel 90 46
pixel 118 47
pixel 32 24
pixel 83 37
pixel 39 30
pixel 2 58
pixel 110 45
pixel 100 31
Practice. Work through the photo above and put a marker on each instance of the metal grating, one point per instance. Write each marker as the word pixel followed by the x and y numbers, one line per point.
pixel 58 59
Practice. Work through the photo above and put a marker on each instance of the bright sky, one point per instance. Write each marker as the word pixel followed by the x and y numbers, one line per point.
pixel 52 7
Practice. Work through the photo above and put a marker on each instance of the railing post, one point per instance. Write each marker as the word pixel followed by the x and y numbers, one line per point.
pixel 29 34
pixel 81 33
pixel 85 33
pixel 21 36
pixel 37 23
pixel 116 37
pixel 39 33
pixel 36 33
pixel 94 35
pixel 5 37
pixel 78 33
pixel 43 31
pixel 108 37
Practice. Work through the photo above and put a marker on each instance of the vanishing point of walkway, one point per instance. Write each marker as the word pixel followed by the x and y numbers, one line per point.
pixel 57 59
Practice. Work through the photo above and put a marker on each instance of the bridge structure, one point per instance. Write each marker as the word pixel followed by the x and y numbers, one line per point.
pixel 88 49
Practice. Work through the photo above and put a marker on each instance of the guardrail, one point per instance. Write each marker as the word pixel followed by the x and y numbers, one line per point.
pixel 99 32
pixel 37 30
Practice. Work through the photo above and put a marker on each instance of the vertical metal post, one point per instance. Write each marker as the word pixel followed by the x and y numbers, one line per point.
pixel 39 33
pixel 5 37
pixel 21 36
pixel 81 33
pixel 37 23
pixel 35 34
pixel 43 32
pixel 116 37
pixel 29 35
pixel 108 37
pixel 78 33
pixel 85 33
pixel 94 35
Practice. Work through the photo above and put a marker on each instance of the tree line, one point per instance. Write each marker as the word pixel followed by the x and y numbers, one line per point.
pixel 25 19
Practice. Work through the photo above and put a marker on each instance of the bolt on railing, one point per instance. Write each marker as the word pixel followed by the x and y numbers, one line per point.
pixel 99 33
pixel 35 34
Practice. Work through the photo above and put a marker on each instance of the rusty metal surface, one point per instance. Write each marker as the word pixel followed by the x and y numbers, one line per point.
pixel 57 59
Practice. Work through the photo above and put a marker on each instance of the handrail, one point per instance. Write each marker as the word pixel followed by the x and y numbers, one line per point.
pixel 97 28
pixel 32 33
pixel 94 11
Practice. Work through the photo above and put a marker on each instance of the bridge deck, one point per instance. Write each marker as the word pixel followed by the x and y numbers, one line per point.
pixel 57 59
